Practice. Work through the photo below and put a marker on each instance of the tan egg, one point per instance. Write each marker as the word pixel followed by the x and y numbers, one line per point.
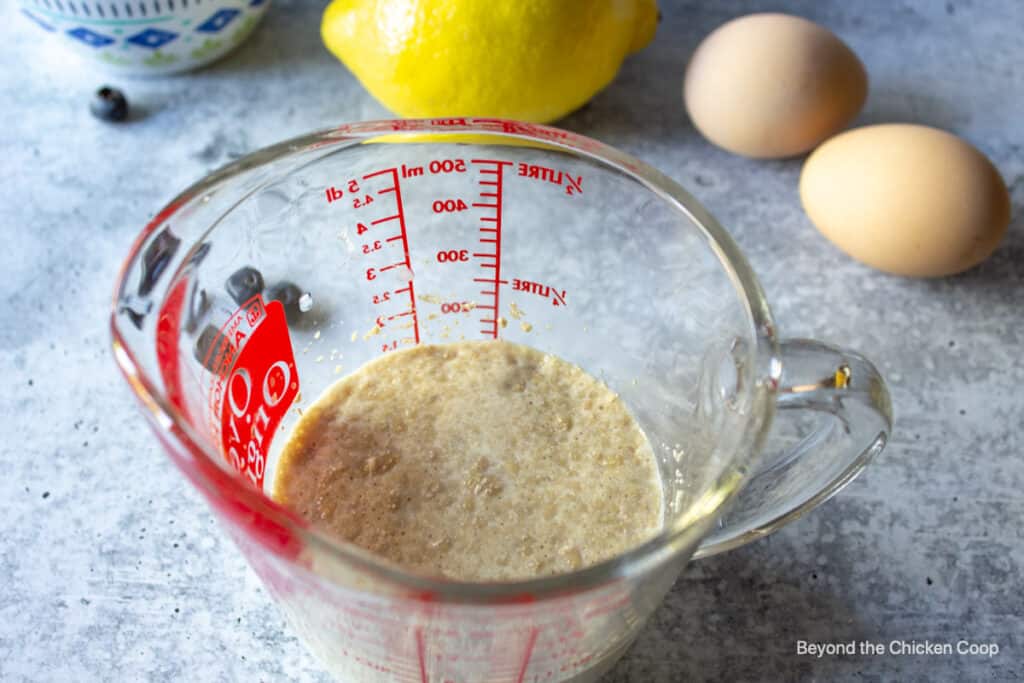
pixel 772 85
pixel 906 199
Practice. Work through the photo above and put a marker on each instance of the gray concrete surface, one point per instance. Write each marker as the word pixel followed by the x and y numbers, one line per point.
pixel 112 569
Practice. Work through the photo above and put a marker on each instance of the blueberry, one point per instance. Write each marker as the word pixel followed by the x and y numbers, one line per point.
pixel 198 305
pixel 244 284
pixel 199 253
pixel 213 349
pixel 109 104
pixel 290 296
pixel 133 315
pixel 135 308
pixel 155 259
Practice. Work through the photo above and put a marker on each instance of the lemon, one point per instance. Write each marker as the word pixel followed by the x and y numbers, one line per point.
pixel 532 60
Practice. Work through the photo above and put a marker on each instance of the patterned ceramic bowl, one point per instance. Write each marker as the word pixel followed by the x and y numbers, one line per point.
pixel 147 37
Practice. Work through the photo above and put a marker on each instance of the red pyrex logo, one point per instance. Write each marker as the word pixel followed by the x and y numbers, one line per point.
pixel 253 386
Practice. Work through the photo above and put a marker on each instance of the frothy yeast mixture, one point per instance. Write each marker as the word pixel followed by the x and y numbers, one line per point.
pixel 478 461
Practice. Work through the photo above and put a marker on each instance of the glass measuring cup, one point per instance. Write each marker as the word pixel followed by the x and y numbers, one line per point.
pixel 409 232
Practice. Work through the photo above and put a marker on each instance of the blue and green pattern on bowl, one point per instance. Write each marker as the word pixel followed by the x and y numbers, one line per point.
pixel 147 37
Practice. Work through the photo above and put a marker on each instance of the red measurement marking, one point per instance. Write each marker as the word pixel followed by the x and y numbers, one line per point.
pixel 401 237
pixel 490 194
pixel 556 295
pixel 527 653
pixel 333 194
pixel 573 185
pixel 606 608
pixel 411 171
pixel 421 654
pixel 408 263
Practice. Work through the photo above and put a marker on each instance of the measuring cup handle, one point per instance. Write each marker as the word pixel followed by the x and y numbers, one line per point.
pixel 834 404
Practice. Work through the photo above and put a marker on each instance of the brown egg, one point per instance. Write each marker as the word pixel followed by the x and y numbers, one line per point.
pixel 772 85
pixel 906 199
